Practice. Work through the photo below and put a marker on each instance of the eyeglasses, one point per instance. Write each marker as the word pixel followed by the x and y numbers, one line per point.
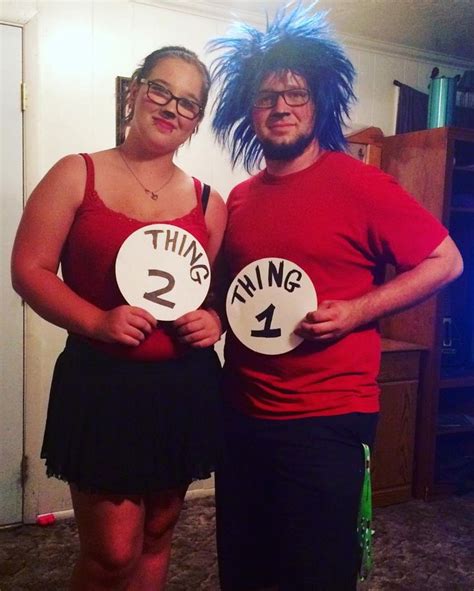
pixel 294 97
pixel 160 95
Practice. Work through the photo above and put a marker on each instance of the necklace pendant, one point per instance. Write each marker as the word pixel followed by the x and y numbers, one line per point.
pixel 152 194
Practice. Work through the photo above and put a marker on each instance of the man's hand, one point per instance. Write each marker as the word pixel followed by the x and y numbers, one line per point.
pixel 200 328
pixel 332 320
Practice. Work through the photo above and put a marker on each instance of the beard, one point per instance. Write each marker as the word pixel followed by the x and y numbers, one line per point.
pixel 290 151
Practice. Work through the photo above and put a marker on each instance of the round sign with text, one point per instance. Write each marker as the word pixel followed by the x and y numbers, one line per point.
pixel 163 269
pixel 265 303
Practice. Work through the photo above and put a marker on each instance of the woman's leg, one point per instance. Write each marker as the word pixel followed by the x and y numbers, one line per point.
pixel 161 514
pixel 111 539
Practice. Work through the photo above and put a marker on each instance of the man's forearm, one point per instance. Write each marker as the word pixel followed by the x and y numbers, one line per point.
pixel 413 286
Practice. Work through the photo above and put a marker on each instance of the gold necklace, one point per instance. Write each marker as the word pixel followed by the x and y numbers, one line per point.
pixel 153 194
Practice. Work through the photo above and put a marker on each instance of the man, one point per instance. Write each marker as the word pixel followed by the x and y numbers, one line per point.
pixel 288 491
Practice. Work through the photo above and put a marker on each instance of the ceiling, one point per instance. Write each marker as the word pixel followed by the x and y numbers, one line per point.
pixel 441 26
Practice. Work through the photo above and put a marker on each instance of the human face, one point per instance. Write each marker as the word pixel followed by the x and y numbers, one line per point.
pixel 162 124
pixel 284 131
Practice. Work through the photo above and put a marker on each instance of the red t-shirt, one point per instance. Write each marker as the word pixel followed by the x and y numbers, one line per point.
pixel 341 221
pixel 88 263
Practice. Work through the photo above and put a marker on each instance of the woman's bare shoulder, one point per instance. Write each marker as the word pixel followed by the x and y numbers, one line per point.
pixel 64 182
pixel 70 169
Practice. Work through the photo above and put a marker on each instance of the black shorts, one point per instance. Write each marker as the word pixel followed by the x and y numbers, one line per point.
pixel 287 499
pixel 128 427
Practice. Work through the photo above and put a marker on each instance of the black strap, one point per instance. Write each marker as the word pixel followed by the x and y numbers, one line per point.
pixel 206 189
pixel 90 174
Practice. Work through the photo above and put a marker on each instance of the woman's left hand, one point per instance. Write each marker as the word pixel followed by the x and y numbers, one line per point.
pixel 200 328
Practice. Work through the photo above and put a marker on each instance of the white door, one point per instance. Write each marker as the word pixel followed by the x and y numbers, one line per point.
pixel 11 309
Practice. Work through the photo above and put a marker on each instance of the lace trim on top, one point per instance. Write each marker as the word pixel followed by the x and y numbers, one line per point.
pixel 94 199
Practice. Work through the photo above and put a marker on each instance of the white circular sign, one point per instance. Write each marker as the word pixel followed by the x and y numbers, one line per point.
pixel 163 269
pixel 265 303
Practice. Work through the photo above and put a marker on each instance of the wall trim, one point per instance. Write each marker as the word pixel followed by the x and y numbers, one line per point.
pixel 17 14
pixel 10 24
pixel 208 9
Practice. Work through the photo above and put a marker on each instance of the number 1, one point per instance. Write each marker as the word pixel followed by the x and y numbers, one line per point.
pixel 266 332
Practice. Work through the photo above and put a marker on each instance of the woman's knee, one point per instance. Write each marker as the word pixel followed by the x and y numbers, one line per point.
pixel 116 561
pixel 156 537
pixel 164 512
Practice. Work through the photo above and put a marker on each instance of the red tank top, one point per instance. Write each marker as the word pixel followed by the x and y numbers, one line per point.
pixel 88 262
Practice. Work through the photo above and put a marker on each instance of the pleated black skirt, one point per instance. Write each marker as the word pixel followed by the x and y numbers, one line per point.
pixel 128 427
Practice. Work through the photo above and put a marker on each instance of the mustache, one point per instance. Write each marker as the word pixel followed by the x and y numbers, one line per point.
pixel 278 115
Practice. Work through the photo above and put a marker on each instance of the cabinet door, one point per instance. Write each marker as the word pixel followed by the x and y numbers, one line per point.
pixel 392 466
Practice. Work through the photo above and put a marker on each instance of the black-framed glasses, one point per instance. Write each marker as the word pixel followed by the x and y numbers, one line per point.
pixel 160 95
pixel 293 97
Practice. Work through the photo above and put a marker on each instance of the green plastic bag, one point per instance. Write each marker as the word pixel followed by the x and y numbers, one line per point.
pixel 364 520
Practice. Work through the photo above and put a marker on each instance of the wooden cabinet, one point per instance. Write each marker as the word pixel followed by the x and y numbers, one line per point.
pixel 392 461
pixel 437 167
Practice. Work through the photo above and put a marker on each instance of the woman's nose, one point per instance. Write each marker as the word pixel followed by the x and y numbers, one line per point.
pixel 170 110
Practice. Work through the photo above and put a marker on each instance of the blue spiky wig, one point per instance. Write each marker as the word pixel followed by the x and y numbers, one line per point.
pixel 299 41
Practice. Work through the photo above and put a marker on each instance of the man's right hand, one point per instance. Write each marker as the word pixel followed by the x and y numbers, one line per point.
pixel 332 320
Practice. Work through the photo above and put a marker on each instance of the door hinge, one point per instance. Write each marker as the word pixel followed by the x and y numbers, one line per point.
pixel 24 469
pixel 23 96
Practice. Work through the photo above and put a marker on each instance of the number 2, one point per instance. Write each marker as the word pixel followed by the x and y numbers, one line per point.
pixel 153 296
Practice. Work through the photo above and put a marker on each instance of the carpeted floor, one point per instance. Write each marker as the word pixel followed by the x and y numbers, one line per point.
pixel 418 547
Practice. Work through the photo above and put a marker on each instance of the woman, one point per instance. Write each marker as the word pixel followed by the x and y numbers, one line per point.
pixel 132 413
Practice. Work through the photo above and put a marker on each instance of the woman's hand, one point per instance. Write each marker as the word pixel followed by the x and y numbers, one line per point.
pixel 200 328
pixel 127 325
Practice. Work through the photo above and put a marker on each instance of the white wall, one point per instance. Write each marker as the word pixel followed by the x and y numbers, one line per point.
pixel 73 52
pixel 376 94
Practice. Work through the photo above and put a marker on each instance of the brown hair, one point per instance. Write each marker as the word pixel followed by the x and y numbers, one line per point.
pixel 173 51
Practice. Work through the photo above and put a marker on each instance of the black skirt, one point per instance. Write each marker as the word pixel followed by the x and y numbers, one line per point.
pixel 128 427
